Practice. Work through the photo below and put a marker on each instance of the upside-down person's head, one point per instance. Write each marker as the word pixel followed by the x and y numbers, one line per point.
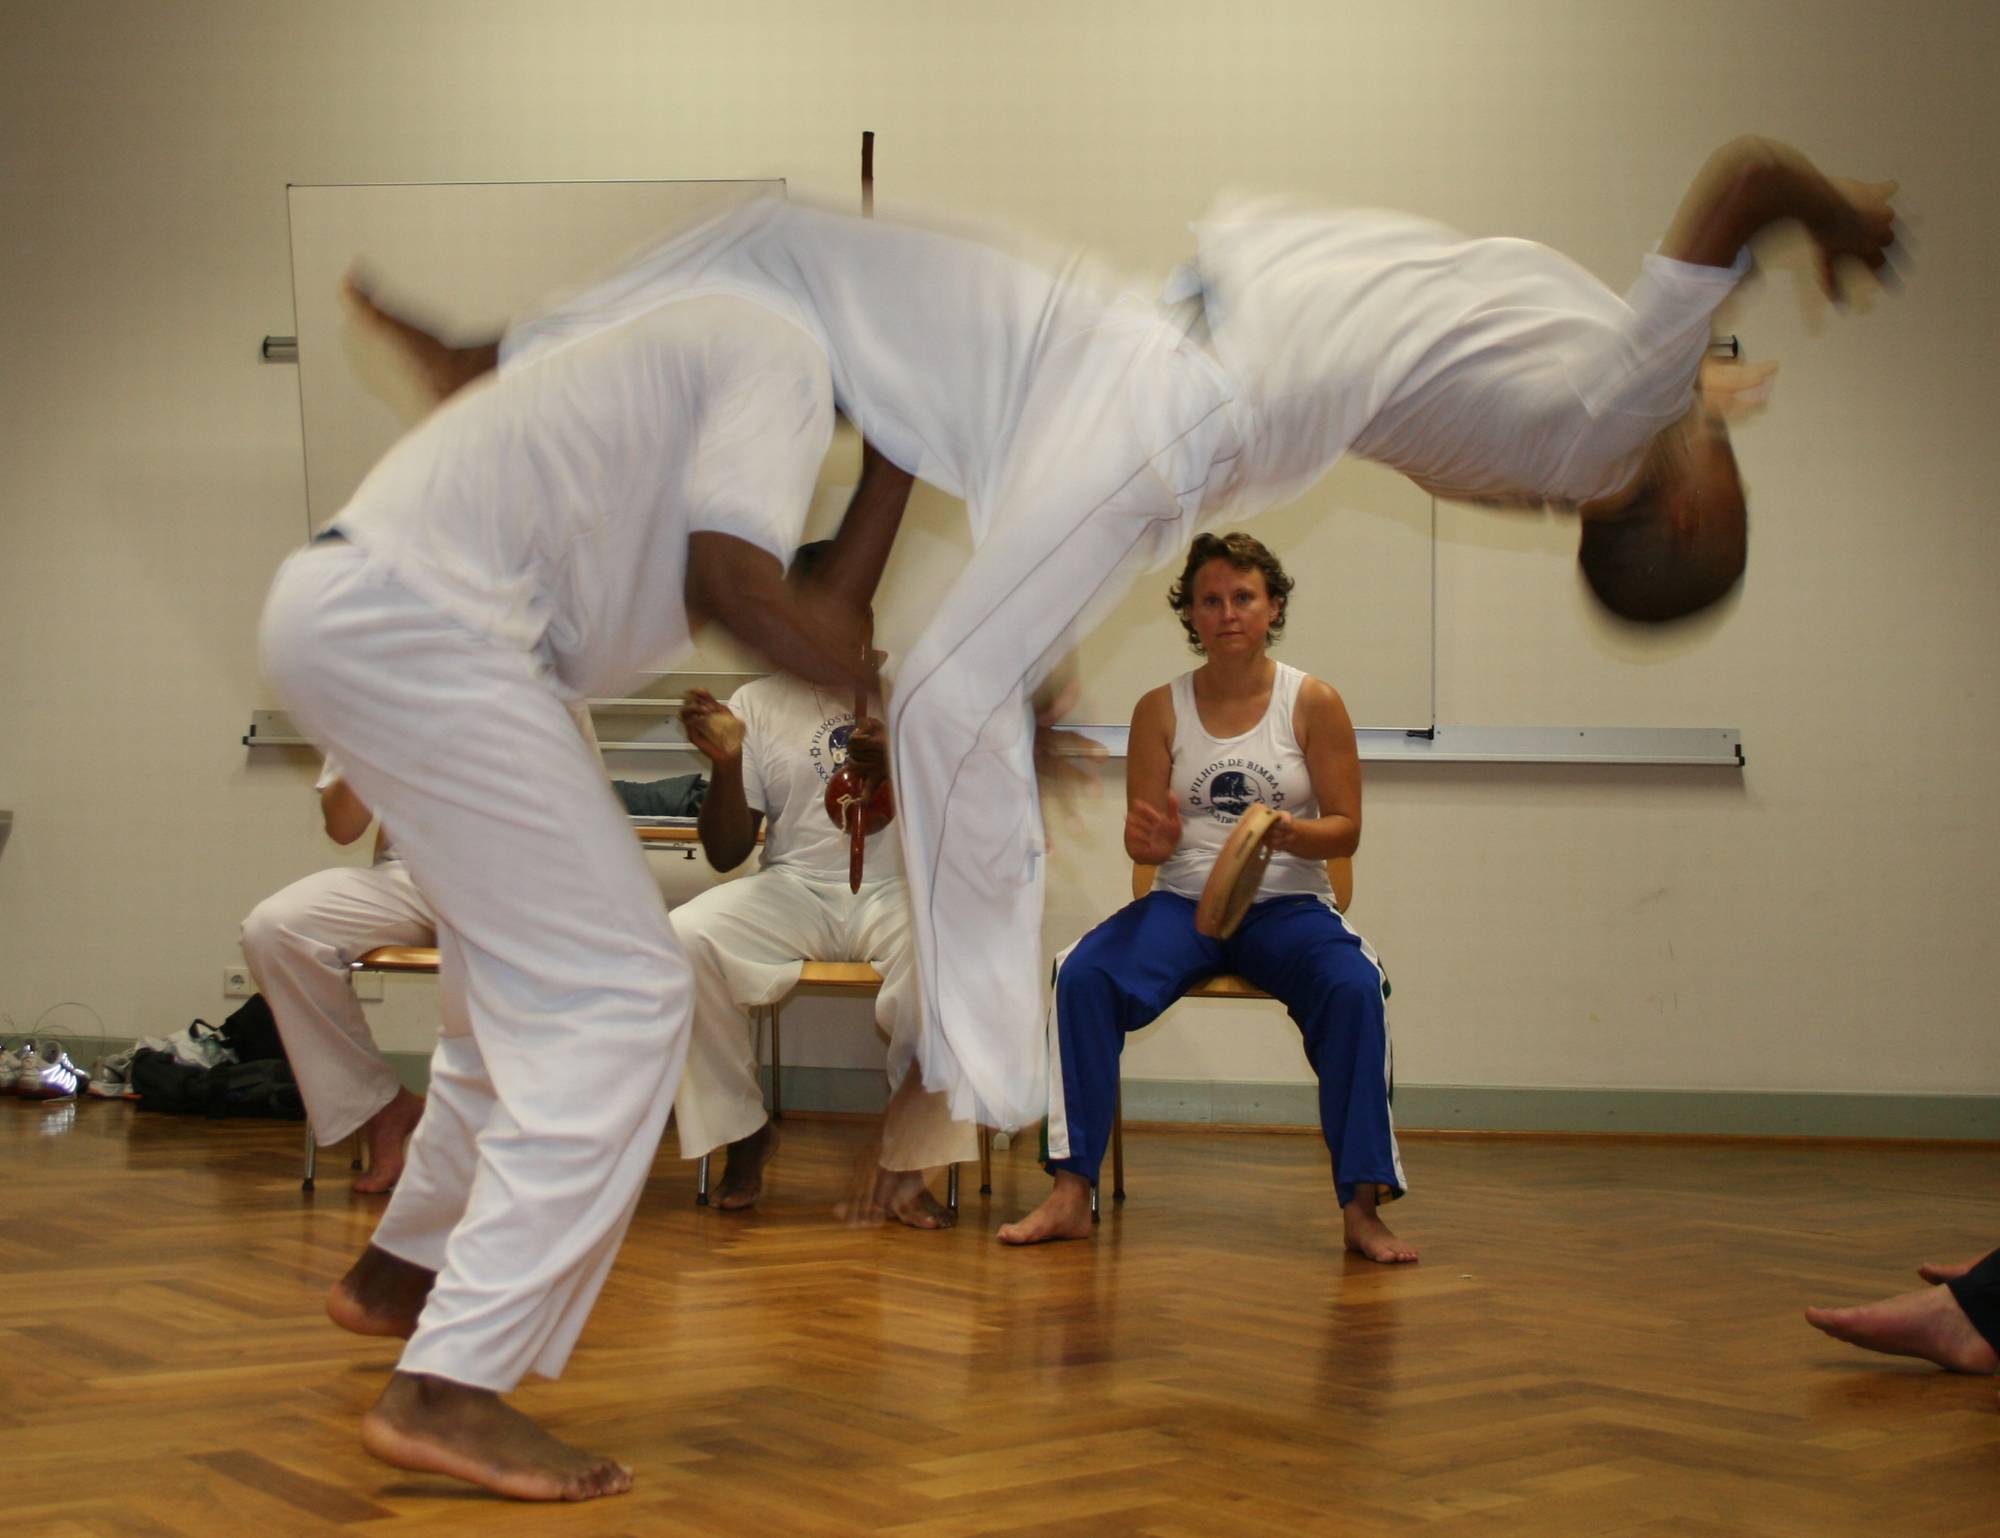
pixel 1680 543
pixel 1238 553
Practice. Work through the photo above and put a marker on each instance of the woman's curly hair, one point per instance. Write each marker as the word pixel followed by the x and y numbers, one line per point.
pixel 1245 553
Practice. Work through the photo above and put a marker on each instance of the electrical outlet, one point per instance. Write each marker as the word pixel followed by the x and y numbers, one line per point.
pixel 236 983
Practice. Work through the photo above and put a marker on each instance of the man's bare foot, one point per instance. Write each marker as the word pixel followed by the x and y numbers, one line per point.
pixel 387 1131
pixel 1368 1235
pixel 903 1195
pixel 743 1169
pixel 1064 1214
pixel 1927 1323
pixel 436 1426
pixel 1932 1271
pixel 381 1294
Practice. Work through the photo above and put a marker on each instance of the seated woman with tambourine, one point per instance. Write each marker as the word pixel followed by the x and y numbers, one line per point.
pixel 1241 743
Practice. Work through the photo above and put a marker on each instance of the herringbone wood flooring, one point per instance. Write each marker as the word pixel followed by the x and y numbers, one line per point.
pixel 1603 1337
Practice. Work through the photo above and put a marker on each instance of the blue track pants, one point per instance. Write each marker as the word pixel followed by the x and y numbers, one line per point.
pixel 1129 969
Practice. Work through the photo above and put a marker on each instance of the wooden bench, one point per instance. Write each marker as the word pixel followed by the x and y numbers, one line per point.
pixel 848 977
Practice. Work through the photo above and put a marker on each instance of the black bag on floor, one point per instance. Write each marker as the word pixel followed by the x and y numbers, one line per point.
pixel 264 1088
pixel 252 1034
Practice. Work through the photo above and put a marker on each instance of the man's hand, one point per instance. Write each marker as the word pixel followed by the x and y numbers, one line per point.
pixel 1152 833
pixel 868 750
pixel 712 728
pixel 1858 224
pixel 443 369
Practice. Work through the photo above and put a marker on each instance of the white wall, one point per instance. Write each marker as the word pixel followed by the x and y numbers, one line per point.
pixel 1819 922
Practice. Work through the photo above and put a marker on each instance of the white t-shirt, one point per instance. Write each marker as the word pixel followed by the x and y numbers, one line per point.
pixel 1215 780
pixel 550 507
pixel 1484 368
pixel 933 339
pixel 794 740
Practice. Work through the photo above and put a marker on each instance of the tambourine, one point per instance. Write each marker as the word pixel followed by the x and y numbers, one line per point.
pixel 1237 874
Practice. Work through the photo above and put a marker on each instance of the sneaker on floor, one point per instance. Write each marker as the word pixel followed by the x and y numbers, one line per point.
pixel 111 1078
pixel 10 1065
pixel 48 1074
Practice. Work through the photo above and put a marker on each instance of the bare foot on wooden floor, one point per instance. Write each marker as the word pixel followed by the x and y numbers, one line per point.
pixel 905 1196
pixel 1367 1235
pixel 387 1133
pixel 381 1294
pixel 1064 1214
pixel 435 1426
pixel 743 1169
pixel 1927 1323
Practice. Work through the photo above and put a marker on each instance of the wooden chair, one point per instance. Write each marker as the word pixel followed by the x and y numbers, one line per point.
pixel 851 977
pixel 1340 872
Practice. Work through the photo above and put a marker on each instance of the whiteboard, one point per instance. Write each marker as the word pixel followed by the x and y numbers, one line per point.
pixel 464 257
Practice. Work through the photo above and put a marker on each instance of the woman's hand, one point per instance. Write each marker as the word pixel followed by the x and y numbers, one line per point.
pixel 1283 836
pixel 1152 833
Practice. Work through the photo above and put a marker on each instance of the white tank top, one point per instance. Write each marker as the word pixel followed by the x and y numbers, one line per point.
pixel 1215 780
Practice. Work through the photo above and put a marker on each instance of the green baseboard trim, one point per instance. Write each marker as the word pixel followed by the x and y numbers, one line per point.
pixel 1526 1108
pixel 1475 1108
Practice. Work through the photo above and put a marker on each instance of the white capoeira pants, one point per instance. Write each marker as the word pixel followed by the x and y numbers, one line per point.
pixel 1121 441
pixel 747 942
pixel 299 943
pixel 552 1085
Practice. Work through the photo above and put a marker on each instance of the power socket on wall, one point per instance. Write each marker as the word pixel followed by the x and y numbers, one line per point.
pixel 236 983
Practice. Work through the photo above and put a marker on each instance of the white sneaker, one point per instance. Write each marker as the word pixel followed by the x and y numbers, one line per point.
pixel 10 1065
pixel 111 1077
pixel 48 1074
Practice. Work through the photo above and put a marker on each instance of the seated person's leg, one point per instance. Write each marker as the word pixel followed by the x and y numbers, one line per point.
pixel 385 1290
pixel 918 1130
pixel 745 941
pixel 1117 978
pixel 1299 950
pixel 298 944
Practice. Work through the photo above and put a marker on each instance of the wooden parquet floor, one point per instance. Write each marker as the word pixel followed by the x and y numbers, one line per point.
pixel 1603 1338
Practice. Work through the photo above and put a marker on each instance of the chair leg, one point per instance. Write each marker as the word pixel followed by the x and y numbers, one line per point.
pixel 1118 1145
pixel 701 1182
pixel 951 1189
pixel 1093 1201
pixel 312 1158
pixel 985 1162
pixel 777 1069
pixel 354 1158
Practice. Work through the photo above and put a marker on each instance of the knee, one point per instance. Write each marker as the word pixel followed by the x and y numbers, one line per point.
pixel 1087 977
pixel 1340 998
pixel 264 931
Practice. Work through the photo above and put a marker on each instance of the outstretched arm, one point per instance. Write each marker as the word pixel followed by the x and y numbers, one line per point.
pixel 852 569
pixel 445 369
pixel 806 632
pixel 1752 183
